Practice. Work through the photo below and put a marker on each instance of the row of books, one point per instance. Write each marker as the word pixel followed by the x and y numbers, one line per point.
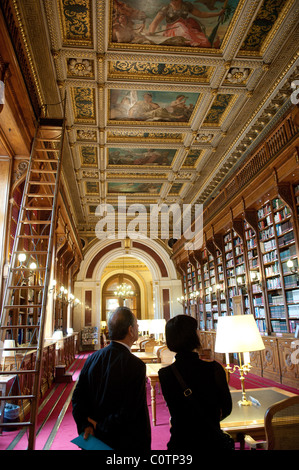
pixel 282 214
pixel 284 227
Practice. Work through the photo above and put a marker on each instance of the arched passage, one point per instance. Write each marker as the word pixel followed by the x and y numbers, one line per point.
pixel 110 301
pixel 158 292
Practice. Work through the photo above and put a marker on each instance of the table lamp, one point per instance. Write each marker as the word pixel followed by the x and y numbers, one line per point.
pixel 144 326
pixel 238 334
pixel 157 327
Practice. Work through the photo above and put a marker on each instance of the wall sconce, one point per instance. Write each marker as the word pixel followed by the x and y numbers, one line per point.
pixel 292 268
pixel 53 284
pixel 22 258
pixel 64 297
pixel 241 285
pixel 32 267
pixel 194 295
pixel 181 300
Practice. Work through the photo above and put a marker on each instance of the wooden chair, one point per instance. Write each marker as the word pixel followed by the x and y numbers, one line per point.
pixel 281 427
pixel 149 345
pixel 167 356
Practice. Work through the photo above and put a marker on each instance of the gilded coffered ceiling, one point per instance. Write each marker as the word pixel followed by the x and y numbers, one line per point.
pixel 164 98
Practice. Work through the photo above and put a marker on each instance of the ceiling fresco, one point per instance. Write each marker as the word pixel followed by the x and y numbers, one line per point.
pixel 165 98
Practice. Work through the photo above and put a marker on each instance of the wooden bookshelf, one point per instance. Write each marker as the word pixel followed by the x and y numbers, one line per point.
pixel 250 261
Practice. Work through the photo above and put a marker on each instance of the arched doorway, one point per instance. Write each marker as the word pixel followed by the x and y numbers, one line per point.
pixel 110 301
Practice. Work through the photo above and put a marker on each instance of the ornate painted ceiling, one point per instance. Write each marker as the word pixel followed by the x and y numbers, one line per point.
pixel 164 98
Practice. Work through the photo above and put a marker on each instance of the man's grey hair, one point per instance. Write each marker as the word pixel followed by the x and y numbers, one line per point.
pixel 119 322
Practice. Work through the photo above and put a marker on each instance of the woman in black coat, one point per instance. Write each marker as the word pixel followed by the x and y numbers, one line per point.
pixel 195 419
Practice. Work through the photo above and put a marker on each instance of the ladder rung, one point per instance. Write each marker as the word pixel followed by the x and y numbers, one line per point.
pixel 36 222
pixel 41 237
pixel 22 306
pixel 46 160
pixel 36 269
pixel 34 208
pixel 46 150
pixel 17 327
pixel 39 195
pixel 37 170
pixel 29 252
pixel 48 183
pixel 17 397
pixel 43 139
pixel 15 372
pixel 25 287
pixel 20 424
pixel 24 348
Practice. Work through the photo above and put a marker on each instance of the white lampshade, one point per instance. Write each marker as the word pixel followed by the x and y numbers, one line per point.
pixel 58 334
pixel 8 343
pixel 238 333
pixel 157 326
pixel 144 325
pixel 70 331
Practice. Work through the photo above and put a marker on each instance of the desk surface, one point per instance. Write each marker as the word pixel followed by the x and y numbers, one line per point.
pixel 152 369
pixel 4 379
pixel 145 355
pixel 245 418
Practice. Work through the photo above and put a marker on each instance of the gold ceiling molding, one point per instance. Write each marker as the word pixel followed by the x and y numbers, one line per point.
pixel 250 121
pixel 21 30
pixel 262 38
pixel 103 67
pixel 159 71
pixel 76 22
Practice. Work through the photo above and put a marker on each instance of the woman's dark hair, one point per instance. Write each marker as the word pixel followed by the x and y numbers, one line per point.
pixel 119 322
pixel 181 334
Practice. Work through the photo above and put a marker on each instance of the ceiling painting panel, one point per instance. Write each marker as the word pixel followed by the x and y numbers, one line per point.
pixel 133 188
pixel 141 157
pixel 173 23
pixel 152 106
pixel 164 97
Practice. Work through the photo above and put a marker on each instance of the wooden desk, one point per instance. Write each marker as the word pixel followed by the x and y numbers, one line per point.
pixel 243 419
pixel 4 382
pixel 146 357
pixel 152 375
pixel 250 419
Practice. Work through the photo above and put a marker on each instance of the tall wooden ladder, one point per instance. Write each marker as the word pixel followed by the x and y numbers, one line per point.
pixel 23 313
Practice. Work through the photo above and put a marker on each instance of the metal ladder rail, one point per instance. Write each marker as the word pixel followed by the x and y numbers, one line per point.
pixel 9 284
pixel 34 409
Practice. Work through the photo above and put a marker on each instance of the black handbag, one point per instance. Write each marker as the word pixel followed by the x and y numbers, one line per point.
pixel 222 438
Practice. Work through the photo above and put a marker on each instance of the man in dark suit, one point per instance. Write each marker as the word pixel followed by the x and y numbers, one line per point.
pixel 109 400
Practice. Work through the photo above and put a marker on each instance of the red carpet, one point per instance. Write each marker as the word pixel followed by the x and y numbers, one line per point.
pixel 254 381
pixel 56 427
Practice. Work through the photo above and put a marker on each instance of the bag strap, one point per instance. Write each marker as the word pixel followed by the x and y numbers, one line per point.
pixel 186 390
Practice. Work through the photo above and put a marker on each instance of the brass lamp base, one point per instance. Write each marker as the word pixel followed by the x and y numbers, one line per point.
pixel 244 402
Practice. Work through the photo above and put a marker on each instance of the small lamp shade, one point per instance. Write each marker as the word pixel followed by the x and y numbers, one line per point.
pixel 144 325
pixel 157 326
pixel 8 343
pixel 58 335
pixel 238 333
